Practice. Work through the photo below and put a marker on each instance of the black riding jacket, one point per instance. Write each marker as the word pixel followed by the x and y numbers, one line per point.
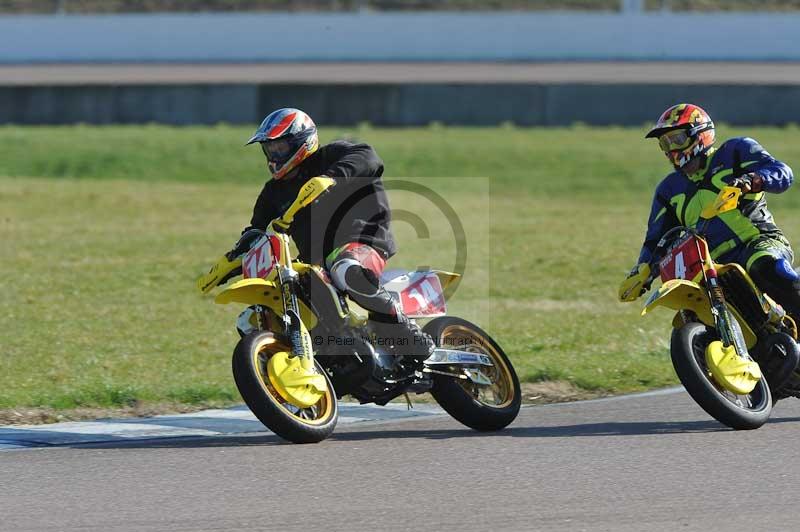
pixel 355 210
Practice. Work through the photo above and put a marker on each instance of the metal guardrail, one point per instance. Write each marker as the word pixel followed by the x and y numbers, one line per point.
pixel 152 6
pixel 398 36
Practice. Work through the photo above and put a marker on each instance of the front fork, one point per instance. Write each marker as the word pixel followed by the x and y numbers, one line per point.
pixel 729 330
pixel 294 328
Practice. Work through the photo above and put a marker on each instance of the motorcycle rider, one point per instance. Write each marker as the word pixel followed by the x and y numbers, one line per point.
pixel 347 230
pixel 751 238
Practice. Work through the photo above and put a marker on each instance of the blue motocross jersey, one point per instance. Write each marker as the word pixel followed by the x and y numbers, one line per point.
pixel 679 199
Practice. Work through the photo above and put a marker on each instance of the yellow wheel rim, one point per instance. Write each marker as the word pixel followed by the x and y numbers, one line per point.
pixel 500 393
pixel 316 414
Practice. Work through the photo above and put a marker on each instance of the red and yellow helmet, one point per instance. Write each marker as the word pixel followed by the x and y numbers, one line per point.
pixel 684 132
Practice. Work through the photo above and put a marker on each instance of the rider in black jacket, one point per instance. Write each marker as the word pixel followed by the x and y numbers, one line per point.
pixel 347 230
pixel 361 213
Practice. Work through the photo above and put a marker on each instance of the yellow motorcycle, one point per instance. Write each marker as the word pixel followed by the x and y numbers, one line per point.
pixel 304 345
pixel 733 347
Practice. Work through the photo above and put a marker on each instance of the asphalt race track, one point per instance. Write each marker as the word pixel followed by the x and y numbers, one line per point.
pixel 687 73
pixel 653 462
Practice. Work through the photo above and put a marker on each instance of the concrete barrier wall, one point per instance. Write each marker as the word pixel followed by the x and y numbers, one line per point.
pixel 395 104
pixel 180 105
pixel 399 36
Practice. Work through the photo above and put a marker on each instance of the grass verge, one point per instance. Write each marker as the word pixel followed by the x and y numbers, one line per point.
pixel 99 308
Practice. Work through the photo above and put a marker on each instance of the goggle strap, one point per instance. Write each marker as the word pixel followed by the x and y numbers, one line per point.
pixel 700 128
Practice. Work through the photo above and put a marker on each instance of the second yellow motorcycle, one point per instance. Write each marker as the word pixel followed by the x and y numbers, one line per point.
pixel 733 347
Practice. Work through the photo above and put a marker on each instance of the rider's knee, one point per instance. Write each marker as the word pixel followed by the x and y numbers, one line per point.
pixel 770 272
pixel 784 270
pixel 349 275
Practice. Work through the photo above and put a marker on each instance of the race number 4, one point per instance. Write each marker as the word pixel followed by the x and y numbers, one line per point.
pixel 680 267
pixel 685 261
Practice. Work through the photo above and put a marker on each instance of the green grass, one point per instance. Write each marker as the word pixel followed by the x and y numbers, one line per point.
pixel 543 161
pixel 104 229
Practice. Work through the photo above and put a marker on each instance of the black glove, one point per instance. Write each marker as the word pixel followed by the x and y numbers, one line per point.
pixel 751 182
pixel 245 242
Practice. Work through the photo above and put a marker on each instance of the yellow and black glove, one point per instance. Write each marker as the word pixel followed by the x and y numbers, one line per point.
pixel 636 284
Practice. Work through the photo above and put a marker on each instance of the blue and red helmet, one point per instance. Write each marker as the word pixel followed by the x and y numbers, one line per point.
pixel 287 136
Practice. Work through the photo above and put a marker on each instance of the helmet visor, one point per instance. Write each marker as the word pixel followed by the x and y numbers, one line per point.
pixel 278 151
pixel 677 139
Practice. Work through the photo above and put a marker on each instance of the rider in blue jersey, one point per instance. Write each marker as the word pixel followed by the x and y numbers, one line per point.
pixel 747 235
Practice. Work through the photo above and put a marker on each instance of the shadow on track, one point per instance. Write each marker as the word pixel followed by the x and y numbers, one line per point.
pixel 562 431
pixel 352 434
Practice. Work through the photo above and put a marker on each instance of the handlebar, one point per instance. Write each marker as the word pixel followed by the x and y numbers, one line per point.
pixel 726 200
pixel 245 242
pixel 658 253
pixel 309 193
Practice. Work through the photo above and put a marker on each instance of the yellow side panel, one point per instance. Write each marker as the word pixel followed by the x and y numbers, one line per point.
pixel 446 278
pixel 733 266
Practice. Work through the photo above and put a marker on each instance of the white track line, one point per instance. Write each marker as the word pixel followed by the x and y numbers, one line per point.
pixel 219 422
pixel 237 420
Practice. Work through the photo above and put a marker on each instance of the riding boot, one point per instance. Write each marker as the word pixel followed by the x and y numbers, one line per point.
pixel 780 282
pixel 393 327
pixel 390 324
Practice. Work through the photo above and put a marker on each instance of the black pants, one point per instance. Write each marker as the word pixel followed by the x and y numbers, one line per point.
pixel 785 291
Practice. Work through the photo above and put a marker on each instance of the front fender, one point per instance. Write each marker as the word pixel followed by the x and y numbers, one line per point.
pixel 250 292
pixel 679 294
pixel 257 291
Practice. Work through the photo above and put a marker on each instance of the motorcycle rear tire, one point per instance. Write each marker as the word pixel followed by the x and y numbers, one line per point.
pixel 455 399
